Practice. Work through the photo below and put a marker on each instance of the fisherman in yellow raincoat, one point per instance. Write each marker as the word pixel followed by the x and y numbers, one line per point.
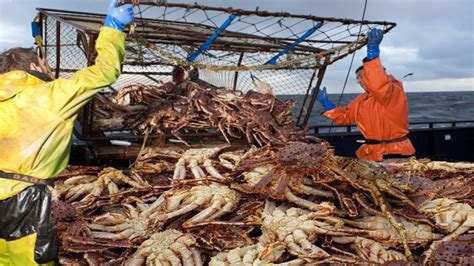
pixel 36 122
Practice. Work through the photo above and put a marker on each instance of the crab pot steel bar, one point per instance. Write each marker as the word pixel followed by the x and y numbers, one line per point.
pixel 290 52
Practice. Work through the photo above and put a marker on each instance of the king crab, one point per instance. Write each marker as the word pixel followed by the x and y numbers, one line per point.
pixel 170 247
pixel 214 200
pixel 278 172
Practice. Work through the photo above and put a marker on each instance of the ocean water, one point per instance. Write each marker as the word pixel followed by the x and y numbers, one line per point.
pixel 424 106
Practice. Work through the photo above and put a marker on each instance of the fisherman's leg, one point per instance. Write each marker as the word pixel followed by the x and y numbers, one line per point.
pixel 30 237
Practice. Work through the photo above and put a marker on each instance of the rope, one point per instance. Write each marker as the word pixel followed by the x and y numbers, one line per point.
pixel 318 58
pixel 142 148
pixel 350 66
pixel 289 63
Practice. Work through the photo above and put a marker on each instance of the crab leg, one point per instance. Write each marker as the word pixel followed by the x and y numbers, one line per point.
pixel 265 180
pixel 459 231
pixel 179 170
pixel 227 208
pixel 109 228
pixel 147 212
pixel 185 209
pixel 196 257
pixel 223 130
pixel 75 180
pixel 301 202
pixel 211 170
pixel 186 254
pixel 122 235
pixel 201 215
pixel 250 256
pixel 315 192
pixel 176 201
pixel 171 257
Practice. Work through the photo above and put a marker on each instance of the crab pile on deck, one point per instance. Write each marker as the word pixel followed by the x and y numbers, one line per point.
pixel 294 203
pixel 171 108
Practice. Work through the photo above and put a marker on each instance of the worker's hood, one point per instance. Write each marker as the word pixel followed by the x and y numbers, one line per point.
pixel 14 82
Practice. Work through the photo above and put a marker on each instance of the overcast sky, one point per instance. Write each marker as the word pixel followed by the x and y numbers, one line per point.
pixel 434 39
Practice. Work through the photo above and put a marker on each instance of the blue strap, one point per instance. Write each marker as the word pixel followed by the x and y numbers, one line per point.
pixel 294 44
pixel 211 39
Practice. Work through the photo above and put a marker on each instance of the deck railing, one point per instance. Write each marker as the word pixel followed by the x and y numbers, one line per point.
pixel 326 129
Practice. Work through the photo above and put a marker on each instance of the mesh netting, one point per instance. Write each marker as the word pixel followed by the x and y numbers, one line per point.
pixel 227 46
pixel 280 48
pixel 70 55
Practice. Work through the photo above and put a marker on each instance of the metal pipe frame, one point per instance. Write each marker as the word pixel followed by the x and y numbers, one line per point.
pixel 155 32
pixel 242 12
pixel 176 36
pixel 309 110
pixel 310 85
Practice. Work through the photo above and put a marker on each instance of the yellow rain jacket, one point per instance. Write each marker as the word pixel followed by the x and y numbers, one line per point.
pixel 37 119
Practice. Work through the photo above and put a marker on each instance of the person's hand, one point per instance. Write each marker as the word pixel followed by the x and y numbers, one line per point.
pixel 118 17
pixel 374 39
pixel 324 100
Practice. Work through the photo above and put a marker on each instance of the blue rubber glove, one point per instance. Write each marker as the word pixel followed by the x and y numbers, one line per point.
pixel 374 39
pixel 118 17
pixel 324 100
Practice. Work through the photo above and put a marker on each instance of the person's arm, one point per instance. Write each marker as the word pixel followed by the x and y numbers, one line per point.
pixel 375 79
pixel 72 93
pixel 340 115
pixel 344 115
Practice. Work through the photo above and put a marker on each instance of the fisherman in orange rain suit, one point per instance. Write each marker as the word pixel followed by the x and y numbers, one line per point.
pixel 381 113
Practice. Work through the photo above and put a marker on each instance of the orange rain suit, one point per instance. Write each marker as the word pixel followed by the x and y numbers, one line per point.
pixel 381 113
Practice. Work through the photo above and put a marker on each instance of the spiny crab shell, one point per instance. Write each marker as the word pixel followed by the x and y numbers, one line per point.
pixel 303 157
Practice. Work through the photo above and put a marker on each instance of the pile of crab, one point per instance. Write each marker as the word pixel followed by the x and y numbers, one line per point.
pixel 174 108
pixel 289 204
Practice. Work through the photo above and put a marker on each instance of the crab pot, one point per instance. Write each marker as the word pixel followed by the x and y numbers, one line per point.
pixel 227 46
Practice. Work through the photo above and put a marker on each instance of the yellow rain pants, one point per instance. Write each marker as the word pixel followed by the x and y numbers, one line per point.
pixel 37 119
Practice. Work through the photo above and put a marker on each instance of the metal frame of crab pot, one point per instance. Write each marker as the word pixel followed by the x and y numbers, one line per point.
pixel 69 42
